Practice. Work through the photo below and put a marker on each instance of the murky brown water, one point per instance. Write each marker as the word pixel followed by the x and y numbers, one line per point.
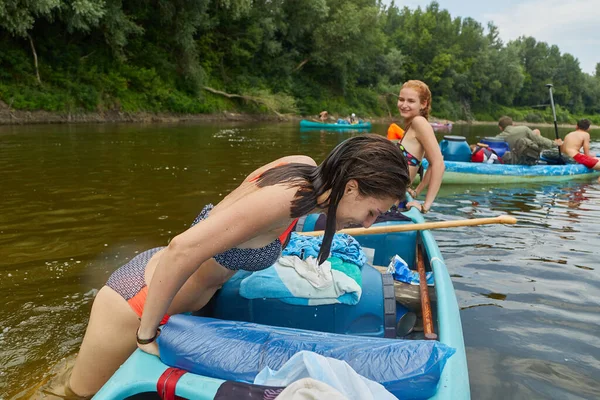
pixel 78 201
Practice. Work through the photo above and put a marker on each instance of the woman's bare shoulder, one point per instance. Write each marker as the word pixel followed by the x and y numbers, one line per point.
pixel 300 159
pixel 422 126
pixel 420 122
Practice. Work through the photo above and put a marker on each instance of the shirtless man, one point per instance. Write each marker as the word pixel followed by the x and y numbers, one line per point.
pixel 577 139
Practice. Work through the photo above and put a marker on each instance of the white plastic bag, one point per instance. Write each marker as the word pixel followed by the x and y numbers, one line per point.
pixel 336 373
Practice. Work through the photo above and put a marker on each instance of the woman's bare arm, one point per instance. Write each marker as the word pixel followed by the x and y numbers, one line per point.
pixel 435 171
pixel 221 231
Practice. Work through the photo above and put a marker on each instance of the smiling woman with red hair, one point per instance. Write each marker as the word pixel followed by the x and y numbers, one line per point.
pixel 414 104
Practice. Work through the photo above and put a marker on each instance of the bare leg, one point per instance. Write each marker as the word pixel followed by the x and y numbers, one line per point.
pixel 110 336
pixel 109 340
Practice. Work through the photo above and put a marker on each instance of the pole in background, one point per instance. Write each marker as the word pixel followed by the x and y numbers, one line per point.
pixel 549 86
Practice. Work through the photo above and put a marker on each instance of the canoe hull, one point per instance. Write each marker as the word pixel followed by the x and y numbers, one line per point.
pixel 318 125
pixel 466 172
pixel 454 382
pixel 141 371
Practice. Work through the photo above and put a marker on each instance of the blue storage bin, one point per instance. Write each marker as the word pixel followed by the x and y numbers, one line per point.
pixel 366 318
pixel 455 148
pixel 499 145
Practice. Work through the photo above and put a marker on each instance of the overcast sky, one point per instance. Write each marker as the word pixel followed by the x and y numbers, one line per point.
pixel 574 25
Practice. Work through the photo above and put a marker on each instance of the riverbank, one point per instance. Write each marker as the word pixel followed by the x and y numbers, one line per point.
pixel 10 116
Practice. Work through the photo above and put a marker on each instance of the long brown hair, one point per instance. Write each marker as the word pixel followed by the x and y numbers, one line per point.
pixel 373 161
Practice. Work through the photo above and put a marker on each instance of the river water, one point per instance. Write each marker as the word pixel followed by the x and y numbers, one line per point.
pixel 78 201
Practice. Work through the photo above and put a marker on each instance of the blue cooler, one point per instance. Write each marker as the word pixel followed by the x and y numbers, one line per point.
pixel 374 315
pixel 455 148
pixel 499 145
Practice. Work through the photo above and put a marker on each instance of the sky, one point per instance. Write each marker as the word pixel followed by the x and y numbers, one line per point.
pixel 571 25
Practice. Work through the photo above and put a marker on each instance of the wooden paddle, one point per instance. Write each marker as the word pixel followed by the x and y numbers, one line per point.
pixel 502 219
pixel 424 291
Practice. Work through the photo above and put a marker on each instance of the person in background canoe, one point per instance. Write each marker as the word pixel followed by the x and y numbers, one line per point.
pixel 414 104
pixel 521 136
pixel 360 179
pixel 482 153
pixel 395 133
pixel 509 130
pixel 578 139
pixel 323 116
pixel 353 119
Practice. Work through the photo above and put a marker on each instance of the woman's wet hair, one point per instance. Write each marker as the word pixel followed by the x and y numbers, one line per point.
pixel 424 95
pixel 376 164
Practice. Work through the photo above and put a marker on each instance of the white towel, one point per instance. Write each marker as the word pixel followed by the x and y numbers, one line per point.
pixel 319 276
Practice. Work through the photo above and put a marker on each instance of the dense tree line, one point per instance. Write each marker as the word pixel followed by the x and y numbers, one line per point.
pixel 190 56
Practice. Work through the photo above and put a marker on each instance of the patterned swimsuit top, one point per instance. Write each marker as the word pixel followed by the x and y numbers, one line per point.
pixel 250 259
pixel 410 159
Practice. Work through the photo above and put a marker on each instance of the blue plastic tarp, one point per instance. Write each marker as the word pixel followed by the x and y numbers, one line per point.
pixel 231 350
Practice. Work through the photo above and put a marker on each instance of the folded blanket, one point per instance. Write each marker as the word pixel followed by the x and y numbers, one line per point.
pixel 343 246
pixel 283 282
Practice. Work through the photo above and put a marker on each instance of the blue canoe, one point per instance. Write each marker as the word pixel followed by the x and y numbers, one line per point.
pixel 319 125
pixel 468 172
pixel 141 372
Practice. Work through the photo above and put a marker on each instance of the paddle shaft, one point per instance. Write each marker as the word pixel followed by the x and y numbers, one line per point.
pixel 503 219
pixel 424 292
pixel 549 86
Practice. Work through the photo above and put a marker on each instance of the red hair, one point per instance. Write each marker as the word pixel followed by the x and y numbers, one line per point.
pixel 424 95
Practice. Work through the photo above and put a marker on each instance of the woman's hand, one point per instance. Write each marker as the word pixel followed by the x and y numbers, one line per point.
pixel 149 345
pixel 412 193
pixel 150 348
pixel 418 205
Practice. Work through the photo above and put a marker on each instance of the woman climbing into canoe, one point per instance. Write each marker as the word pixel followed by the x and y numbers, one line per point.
pixel 360 179
pixel 414 104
